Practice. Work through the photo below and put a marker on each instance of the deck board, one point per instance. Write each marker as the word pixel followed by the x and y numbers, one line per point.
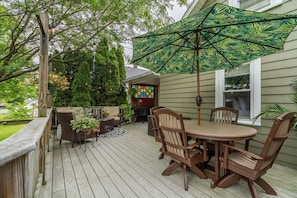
pixel 128 166
pixel 57 171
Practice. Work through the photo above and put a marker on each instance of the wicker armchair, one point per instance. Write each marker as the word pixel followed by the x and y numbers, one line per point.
pixel 68 133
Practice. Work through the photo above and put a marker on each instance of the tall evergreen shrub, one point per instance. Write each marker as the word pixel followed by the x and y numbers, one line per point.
pixel 122 95
pixel 81 86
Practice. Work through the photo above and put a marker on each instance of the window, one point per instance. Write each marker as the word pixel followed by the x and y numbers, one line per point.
pixel 255 5
pixel 237 90
pixel 240 88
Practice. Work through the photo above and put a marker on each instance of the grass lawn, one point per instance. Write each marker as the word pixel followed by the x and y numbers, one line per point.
pixel 8 130
pixel 2 116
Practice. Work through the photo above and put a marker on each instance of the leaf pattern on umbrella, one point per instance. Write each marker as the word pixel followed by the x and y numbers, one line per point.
pixel 228 37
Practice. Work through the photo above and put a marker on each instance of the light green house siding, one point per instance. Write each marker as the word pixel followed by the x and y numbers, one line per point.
pixel 179 91
pixel 277 71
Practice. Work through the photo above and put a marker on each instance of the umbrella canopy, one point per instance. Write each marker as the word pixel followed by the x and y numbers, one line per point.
pixel 216 38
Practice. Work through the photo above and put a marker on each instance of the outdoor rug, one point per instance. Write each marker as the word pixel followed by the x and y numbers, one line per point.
pixel 114 132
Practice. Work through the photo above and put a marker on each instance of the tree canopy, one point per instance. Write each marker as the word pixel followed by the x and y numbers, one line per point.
pixel 78 24
pixel 106 70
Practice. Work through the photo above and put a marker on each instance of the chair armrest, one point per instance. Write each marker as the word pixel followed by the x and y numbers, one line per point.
pixel 228 147
pixel 247 143
pixel 193 145
pixel 259 141
pixel 197 144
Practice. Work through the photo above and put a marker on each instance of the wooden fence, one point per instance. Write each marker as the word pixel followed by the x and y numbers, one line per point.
pixel 22 159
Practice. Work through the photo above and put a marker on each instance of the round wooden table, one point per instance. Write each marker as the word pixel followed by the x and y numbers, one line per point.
pixel 218 133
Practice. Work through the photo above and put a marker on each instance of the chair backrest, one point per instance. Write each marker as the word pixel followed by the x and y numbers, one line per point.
pixel 224 115
pixel 154 123
pixel 172 130
pixel 64 119
pixel 277 136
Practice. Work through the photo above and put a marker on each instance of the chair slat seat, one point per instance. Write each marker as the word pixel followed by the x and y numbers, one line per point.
pixel 242 159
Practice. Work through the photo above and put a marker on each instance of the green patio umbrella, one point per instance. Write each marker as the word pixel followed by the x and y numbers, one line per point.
pixel 218 37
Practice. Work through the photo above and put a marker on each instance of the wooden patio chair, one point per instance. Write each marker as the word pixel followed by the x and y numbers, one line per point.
pixel 175 144
pixel 156 129
pixel 223 115
pixel 250 166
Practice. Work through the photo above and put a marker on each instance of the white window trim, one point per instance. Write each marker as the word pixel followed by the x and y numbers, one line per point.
pixel 255 86
pixel 233 3
pixel 219 88
pixel 272 4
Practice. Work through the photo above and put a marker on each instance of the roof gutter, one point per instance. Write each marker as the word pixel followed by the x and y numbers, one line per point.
pixel 148 73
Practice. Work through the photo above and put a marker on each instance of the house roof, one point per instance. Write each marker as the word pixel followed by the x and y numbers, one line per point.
pixel 140 75
pixel 132 71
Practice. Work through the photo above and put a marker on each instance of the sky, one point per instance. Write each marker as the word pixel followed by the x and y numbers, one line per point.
pixel 177 12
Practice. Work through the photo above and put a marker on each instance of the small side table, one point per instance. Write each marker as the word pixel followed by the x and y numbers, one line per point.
pixel 106 124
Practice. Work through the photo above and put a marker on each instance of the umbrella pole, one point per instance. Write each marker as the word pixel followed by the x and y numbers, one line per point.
pixel 198 107
pixel 198 99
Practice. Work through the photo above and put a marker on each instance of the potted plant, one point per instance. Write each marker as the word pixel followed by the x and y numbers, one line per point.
pixel 274 110
pixel 132 92
pixel 105 113
pixel 128 112
pixel 84 122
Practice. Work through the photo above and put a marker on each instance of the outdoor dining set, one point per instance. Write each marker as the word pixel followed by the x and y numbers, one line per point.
pixel 192 146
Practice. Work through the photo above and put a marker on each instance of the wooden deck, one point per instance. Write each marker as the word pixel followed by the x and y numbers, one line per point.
pixel 128 166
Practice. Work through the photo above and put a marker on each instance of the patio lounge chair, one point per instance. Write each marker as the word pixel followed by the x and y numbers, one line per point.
pixel 250 166
pixel 175 144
